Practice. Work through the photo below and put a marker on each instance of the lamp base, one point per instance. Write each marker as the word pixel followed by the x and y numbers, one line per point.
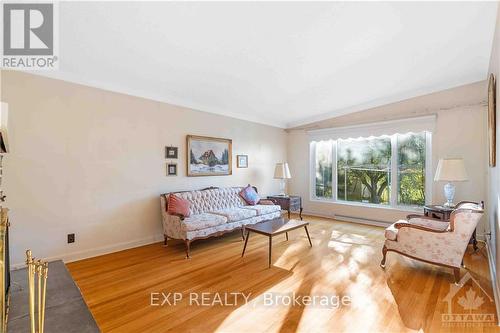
pixel 449 193
pixel 282 187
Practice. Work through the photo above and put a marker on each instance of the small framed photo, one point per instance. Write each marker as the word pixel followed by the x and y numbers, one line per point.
pixel 171 169
pixel 242 161
pixel 171 152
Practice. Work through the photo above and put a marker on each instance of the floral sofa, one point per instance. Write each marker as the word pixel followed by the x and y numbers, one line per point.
pixel 213 212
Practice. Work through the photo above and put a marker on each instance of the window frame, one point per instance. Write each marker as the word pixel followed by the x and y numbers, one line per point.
pixel 393 203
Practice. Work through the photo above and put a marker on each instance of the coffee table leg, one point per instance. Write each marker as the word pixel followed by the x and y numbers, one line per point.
pixel 286 233
pixel 307 232
pixel 246 241
pixel 270 249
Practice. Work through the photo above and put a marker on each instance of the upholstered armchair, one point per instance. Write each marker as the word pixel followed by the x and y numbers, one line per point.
pixel 435 241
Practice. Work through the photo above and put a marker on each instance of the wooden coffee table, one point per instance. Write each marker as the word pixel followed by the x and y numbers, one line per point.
pixel 275 227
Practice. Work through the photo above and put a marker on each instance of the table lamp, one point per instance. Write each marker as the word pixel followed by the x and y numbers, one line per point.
pixel 282 172
pixel 450 170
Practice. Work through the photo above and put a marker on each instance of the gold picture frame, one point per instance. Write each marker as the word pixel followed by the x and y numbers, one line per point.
pixel 208 156
pixel 492 135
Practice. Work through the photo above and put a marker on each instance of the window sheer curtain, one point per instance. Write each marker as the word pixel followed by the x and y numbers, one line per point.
pixel 395 178
pixel 403 126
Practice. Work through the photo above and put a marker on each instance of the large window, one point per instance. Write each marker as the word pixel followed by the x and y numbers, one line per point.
pixel 364 170
pixel 384 170
pixel 324 169
pixel 411 169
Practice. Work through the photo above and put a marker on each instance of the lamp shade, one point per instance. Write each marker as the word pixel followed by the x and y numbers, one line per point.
pixel 281 171
pixel 451 170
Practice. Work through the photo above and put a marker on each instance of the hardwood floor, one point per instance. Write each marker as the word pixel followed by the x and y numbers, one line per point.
pixel 344 261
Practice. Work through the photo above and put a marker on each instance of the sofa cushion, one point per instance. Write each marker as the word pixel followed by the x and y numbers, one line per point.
pixel 212 199
pixel 250 195
pixel 235 214
pixel 433 224
pixel 264 209
pixel 178 206
pixel 202 221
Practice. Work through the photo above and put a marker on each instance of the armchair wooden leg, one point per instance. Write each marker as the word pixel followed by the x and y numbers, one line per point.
pixel 165 241
pixel 243 233
pixel 456 273
pixel 188 248
pixel 384 254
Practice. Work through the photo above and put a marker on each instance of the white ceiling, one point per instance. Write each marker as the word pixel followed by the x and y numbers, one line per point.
pixel 283 64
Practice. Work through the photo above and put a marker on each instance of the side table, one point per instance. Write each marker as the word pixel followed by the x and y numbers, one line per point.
pixel 288 203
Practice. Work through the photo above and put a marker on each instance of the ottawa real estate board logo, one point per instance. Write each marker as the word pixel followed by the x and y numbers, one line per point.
pixel 468 305
pixel 30 36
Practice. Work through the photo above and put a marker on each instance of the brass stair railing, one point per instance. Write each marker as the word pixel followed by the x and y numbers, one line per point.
pixel 37 287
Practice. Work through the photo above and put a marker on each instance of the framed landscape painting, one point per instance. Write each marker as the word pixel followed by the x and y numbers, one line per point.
pixel 208 156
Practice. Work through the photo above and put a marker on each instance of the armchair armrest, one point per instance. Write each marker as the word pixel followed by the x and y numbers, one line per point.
pixel 399 225
pixel 423 217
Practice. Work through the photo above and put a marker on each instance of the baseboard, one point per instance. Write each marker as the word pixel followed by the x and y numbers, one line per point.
pixel 309 213
pixel 79 255
pixel 363 221
pixel 494 279
pixel 350 219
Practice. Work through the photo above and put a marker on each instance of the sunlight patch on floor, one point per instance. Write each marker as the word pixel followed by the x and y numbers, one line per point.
pixel 331 260
pixel 339 247
pixel 363 301
pixel 289 256
pixel 362 254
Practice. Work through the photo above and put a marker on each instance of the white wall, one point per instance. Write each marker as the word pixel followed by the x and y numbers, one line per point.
pixel 494 173
pixel 460 132
pixel 91 162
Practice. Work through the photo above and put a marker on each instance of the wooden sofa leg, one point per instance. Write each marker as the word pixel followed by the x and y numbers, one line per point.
pixel 243 233
pixel 188 248
pixel 456 273
pixel 165 241
pixel 384 254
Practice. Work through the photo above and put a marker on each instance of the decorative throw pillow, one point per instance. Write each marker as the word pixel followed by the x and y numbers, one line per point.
pixel 178 206
pixel 250 195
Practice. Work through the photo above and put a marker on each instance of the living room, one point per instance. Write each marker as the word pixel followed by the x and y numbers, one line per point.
pixel 249 166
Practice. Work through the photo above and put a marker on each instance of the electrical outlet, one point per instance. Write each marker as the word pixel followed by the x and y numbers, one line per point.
pixel 71 238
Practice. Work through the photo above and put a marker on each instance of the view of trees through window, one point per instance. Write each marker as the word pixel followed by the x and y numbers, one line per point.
pixel 411 169
pixel 324 169
pixel 364 172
